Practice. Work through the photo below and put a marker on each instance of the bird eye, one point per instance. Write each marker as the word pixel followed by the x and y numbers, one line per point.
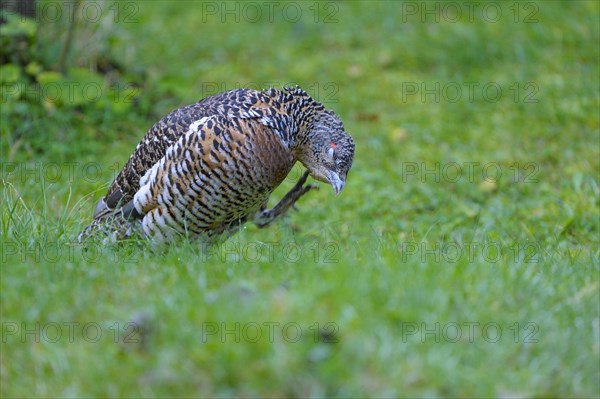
pixel 331 153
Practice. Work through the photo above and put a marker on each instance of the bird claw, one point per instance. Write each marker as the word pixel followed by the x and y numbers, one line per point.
pixel 302 179
pixel 287 202
pixel 304 190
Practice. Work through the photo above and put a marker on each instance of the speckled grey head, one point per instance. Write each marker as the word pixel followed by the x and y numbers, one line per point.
pixel 331 150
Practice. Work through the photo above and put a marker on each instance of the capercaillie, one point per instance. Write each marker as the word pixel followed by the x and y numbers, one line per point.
pixel 205 169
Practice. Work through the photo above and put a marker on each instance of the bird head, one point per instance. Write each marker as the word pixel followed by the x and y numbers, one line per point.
pixel 328 151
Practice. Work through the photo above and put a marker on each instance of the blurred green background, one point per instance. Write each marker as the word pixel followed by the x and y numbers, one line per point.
pixel 461 259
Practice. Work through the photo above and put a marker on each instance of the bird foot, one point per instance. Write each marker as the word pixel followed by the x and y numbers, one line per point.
pixel 268 216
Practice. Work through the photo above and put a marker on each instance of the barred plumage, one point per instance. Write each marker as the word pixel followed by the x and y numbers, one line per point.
pixel 205 169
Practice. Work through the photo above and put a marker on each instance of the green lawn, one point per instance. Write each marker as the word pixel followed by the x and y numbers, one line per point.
pixel 461 259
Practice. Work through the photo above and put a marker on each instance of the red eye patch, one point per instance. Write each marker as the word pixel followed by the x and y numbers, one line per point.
pixel 332 145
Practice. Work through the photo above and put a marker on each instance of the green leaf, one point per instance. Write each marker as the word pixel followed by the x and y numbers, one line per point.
pixel 48 77
pixel 34 68
pixel 16 25
pixel 9 73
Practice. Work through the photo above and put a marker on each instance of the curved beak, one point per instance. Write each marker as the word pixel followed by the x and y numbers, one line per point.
pixel 336 182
